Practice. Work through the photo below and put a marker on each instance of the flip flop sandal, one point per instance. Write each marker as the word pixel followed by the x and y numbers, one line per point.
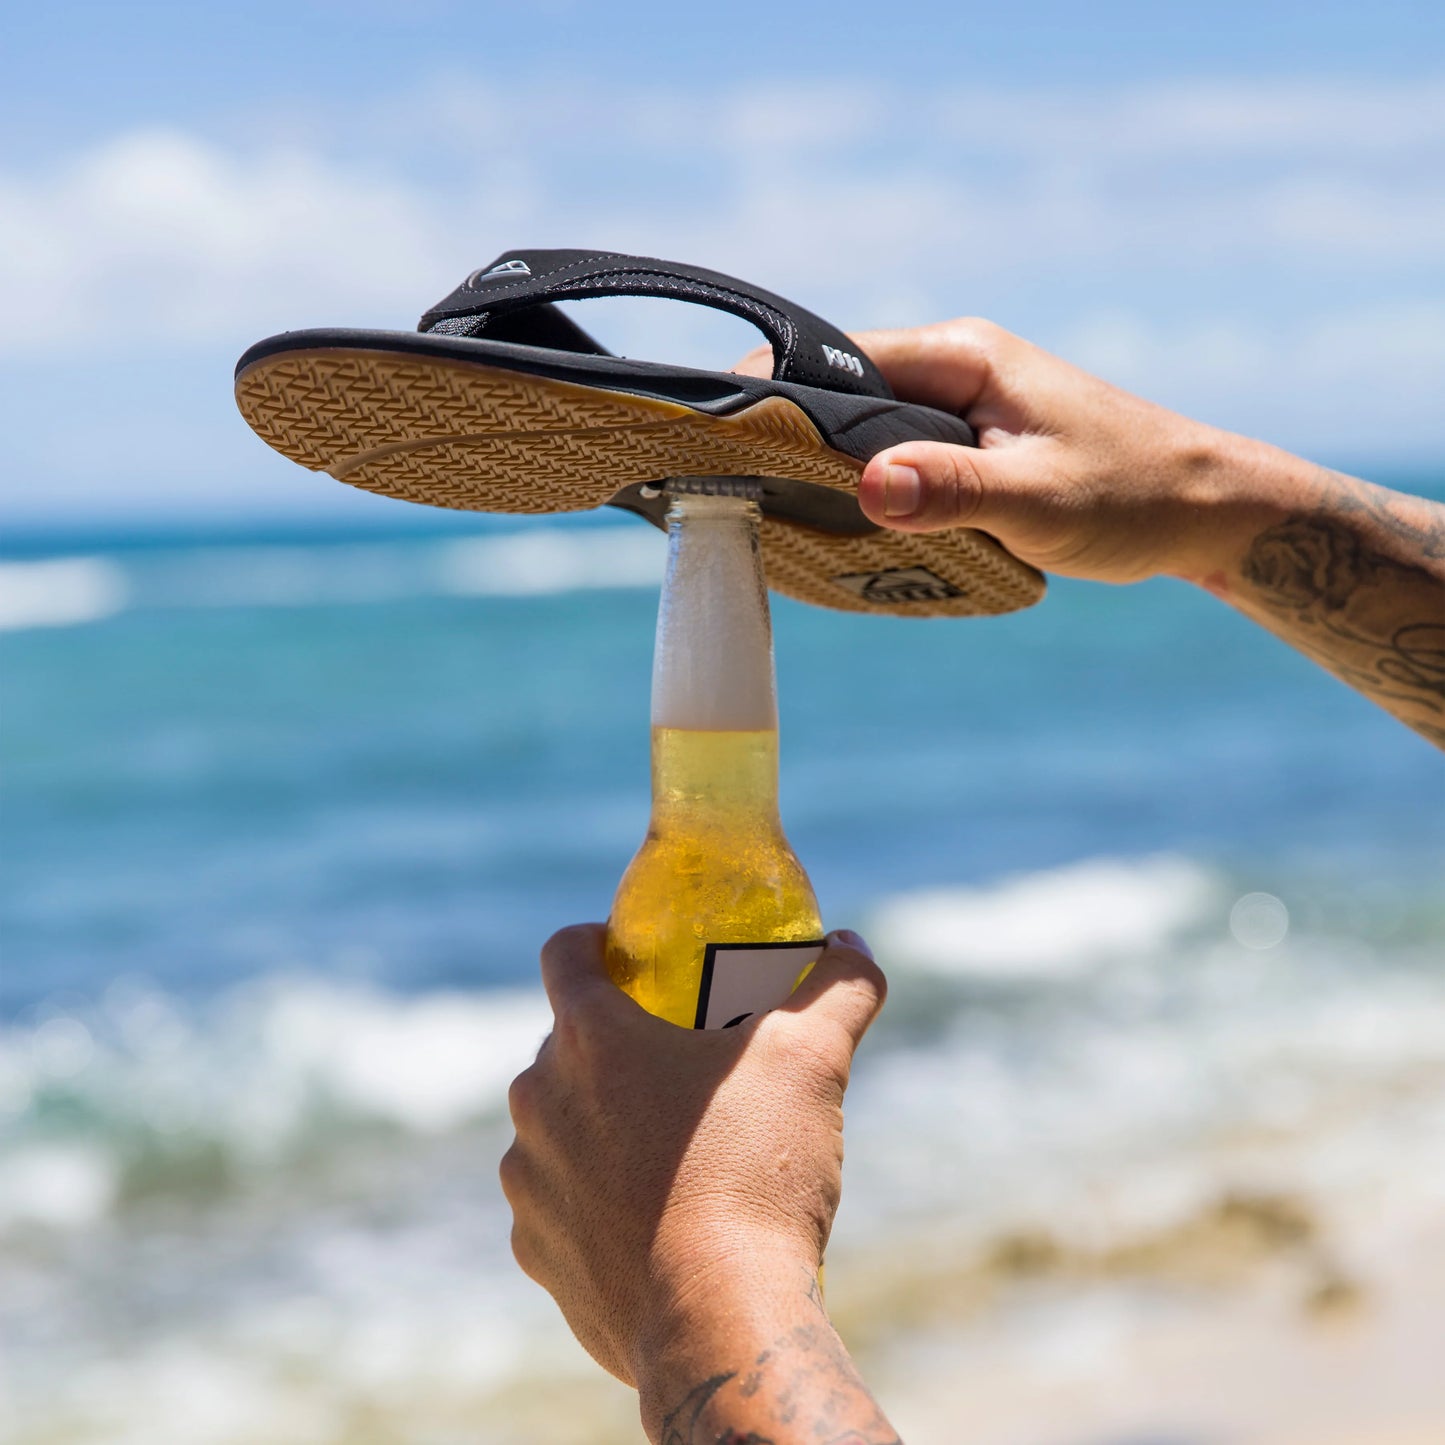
pixel 499 402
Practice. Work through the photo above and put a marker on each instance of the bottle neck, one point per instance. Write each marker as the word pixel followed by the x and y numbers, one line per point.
pixel 712 669
pixel 725 781
pixel 713 663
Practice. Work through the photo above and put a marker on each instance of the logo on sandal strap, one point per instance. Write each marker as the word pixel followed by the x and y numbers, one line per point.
pixel 843 360
pixel 502 271
pixel 898 584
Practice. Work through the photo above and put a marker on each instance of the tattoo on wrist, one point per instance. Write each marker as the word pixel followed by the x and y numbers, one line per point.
pixel 1375 620
pixel 695 1418
pixel 680 1425
pixel 807 1368
pixel 815 1294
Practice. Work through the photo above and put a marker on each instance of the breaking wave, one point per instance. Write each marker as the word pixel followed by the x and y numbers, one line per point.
pixel 140 1096
pixel 541 561
pixel 60 592
pixel 1052 923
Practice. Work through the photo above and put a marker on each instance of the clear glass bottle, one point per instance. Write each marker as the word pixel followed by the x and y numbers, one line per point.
pixel 715 919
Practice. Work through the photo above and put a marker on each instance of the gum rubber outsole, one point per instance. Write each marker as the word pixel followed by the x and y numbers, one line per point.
pixel 480 438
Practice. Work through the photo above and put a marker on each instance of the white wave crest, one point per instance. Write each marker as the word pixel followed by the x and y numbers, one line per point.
pixel 266 1074
pixel 542 561
pixel 65 1186
pixel 425 1064
pixel 551 560
pixel 60 592
pixel 1056 923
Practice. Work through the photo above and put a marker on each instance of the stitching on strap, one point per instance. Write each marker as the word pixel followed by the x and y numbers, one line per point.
pixel 788 330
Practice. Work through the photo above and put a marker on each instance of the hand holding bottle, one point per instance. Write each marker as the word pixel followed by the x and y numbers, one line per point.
pixel 674 1189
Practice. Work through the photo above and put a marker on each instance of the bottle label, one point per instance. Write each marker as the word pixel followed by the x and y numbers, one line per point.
pixel 743 979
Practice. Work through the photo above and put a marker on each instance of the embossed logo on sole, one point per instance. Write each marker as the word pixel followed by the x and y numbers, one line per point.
pixel 898 584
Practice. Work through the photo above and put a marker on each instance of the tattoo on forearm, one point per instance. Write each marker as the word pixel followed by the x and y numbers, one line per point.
pixel 807 1372
pixel 680 1426
pixel 1376 620
pixel 815 1295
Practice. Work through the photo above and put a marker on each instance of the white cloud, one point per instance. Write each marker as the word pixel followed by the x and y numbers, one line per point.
pixel 1255 120
pixel 159 235
pixel 1229 353
pixel 162 235
pixel 1357 379
pixel 1216 245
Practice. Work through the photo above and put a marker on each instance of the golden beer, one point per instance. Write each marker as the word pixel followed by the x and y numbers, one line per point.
pixel 715 918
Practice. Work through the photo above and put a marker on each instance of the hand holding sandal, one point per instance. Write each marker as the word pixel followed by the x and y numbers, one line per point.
pixel 499 402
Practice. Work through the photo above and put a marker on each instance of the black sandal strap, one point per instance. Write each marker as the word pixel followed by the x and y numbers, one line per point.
pixel 508 300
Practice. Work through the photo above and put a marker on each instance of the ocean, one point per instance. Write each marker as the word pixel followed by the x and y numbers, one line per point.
pixel 288 814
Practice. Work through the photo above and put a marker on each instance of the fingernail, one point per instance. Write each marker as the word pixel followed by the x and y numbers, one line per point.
pixel 847 937
pixel 901 490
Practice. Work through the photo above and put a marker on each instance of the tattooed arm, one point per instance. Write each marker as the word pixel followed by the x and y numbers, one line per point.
pixel 1353 576
pixel 1085 480
pixel 771 1371
pixel 674 1191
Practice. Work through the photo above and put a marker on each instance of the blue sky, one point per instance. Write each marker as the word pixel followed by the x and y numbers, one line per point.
pixel 1236 209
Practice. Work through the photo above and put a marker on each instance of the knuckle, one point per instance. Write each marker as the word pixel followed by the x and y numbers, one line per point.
pixel 512 1173
pixel 958 488
pixel 570 1033
pixel 522 1096
pixel 873 980
pixel 977 333
pixel 817 1056
pixel 564 941
pixel 865 977
pixel 525 1251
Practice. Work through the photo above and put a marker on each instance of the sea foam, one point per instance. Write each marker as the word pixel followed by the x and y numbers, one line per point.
pixel 550 560
pixel 1061 921
pixel 163 1098
pixel 60 592
pixel 540 561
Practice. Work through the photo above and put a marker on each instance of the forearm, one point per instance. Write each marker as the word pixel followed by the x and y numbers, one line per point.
pixel 1350 574
pixel 756 1366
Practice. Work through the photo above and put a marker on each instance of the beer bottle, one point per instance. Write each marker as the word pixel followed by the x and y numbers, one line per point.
pixel 715 919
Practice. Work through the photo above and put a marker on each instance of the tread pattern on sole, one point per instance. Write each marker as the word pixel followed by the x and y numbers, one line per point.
pixel 805 564
pixel 318 406
pixel 474 438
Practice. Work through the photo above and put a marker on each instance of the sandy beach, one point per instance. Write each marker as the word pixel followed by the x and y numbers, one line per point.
pixel 1266 1345
pixel 1242 1327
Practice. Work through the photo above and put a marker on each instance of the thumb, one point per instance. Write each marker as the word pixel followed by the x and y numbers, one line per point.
pixel 929 486
pixel 574 967
pixel 844 985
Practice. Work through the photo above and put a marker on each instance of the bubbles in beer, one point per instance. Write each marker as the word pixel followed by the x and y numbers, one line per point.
pixel 715 868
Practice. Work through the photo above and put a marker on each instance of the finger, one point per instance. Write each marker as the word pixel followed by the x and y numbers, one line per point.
pixel 929 486
pixel 950 365
pixel 514 1172
pixel 522 1098
pixel 845 986
pixel 574 965
pixel 758 362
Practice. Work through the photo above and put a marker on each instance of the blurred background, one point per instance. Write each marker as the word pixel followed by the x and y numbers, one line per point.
pixel 1149 1147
